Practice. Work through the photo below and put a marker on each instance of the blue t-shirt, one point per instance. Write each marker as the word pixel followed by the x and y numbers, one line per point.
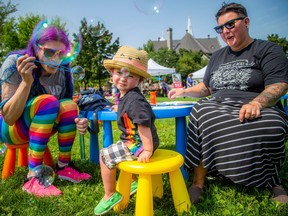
pixel 189 82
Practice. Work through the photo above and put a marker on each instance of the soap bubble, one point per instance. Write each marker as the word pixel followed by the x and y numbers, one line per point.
pixel 149 7
pixel 69 26
pixel 74 52
pixel 74 36
pixel 45 174
pixel 96 26
pixel 78 73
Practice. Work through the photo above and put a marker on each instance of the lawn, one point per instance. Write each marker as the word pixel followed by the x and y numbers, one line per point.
pixel 220 197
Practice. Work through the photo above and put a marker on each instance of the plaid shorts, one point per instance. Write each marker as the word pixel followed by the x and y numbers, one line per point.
pixel 116 153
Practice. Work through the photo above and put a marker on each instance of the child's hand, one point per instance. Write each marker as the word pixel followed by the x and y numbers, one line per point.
pixel 81 124
pixel 114 108
pixel 144 156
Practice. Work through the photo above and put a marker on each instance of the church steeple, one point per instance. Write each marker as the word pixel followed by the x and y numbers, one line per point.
pixel 189 26
pixel 162 38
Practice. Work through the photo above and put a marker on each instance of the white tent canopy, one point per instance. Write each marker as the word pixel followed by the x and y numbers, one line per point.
pixel 155 69
pixel 200 73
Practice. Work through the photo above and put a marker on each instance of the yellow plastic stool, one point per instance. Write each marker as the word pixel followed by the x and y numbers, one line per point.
pixel 150 182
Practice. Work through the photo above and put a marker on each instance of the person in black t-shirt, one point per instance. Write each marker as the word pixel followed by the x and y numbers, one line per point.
pixel 135 119
pixel 239 133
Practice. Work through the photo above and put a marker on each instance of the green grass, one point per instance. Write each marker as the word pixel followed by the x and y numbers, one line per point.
pixel 220 198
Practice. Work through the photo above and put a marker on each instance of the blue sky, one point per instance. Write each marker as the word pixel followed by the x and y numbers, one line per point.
pixel 134 24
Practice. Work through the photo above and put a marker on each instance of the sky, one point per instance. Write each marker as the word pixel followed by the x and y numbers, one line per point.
pixel 136 21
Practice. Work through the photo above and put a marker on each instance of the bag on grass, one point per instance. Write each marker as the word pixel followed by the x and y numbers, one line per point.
pixel 92 101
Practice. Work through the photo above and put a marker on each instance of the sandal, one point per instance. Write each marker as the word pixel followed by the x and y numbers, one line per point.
pixel 106 205
pixel 194 194
pixel 279 194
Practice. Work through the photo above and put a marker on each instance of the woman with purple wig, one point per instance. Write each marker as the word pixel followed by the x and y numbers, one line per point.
pixel 36 102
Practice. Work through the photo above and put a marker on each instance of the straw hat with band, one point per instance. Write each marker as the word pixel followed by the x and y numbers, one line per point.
pixel 136 61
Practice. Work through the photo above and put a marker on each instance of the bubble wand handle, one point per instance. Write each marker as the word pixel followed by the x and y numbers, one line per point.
pixel 82 146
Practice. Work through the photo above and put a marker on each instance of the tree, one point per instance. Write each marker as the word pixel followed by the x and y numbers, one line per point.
pixel 16 33
pixel 9 37
pixel 149 47
pixel 190 61
pixel 280 41
pixel 165 57
pixel 25 28
pixel 95 48
pixel 5 11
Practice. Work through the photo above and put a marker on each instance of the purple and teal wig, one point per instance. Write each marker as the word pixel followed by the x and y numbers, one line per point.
pixel 42 33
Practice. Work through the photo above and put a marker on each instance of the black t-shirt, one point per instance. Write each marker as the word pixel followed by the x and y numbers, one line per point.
pixel 244 74
pixel 134 110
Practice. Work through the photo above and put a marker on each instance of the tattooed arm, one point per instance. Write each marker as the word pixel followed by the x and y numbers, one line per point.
pixel 267 98
pixel 197 91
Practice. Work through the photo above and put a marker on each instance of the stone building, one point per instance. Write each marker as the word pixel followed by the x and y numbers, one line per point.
pixel 189 42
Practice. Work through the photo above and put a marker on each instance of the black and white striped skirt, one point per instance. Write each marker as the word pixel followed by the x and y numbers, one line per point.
pixel 249 153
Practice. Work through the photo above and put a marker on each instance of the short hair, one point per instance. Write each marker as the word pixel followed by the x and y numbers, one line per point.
pixel 231 7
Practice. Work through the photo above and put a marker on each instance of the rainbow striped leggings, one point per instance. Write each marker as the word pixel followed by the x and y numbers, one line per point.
pixel 43 116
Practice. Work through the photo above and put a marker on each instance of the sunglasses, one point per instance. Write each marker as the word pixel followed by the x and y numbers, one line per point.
pixel 228 25
pixel 51 53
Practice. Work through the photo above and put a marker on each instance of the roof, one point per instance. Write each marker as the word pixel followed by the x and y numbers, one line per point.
pixel 188 42
pixel 211 44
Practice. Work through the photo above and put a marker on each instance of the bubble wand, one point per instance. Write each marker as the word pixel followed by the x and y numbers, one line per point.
pixel 82 146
